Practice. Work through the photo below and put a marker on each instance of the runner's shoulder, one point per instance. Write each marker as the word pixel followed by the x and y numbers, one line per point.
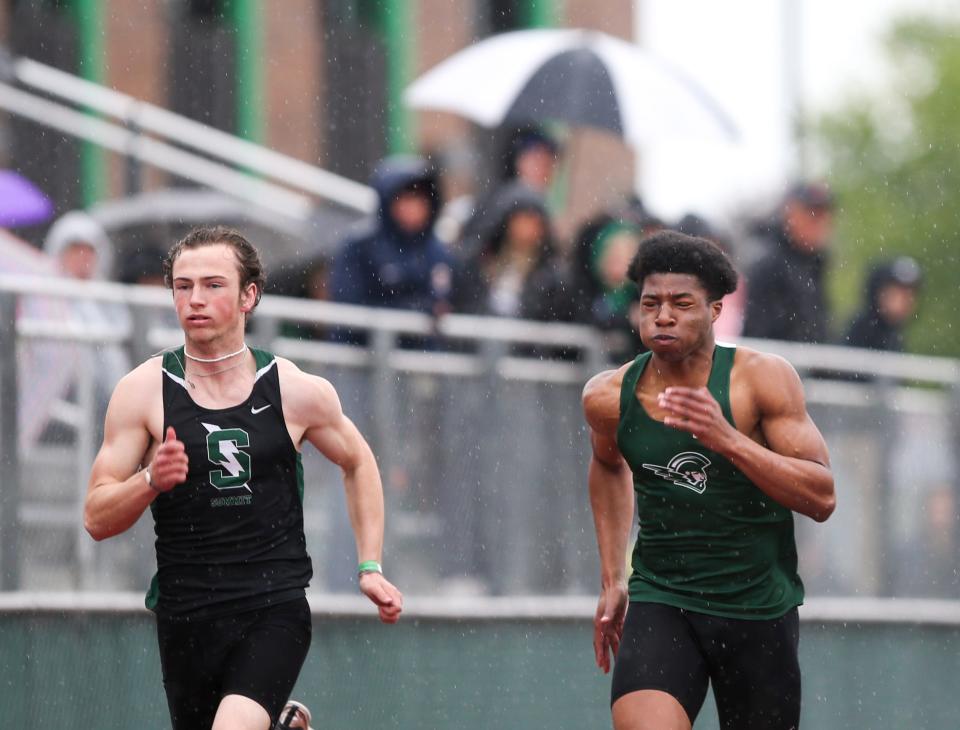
pixel 304 390
pixel 145 375
pixel 138 388
pixel 601 396
pixel 766 373
pixel 757 363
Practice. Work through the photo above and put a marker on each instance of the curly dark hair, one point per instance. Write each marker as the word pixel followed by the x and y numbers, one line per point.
pixel 248 258
pixel 672 252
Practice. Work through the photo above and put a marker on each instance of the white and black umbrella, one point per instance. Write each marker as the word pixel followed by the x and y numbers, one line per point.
pixel 575 76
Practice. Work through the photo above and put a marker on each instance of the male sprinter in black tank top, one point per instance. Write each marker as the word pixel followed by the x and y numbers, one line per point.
pixel 717 447
pixel 208 436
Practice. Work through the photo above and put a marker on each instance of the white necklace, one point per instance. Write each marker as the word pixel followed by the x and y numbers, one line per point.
pixel 203 375
pixel 215 359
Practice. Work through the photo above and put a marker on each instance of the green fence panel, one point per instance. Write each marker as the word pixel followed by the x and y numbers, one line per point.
pixel 100 670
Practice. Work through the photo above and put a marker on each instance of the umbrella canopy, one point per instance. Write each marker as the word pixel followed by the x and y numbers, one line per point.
pixel 21 202
pixel 575 76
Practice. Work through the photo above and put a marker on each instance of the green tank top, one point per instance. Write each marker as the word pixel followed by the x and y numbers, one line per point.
pixel 709 540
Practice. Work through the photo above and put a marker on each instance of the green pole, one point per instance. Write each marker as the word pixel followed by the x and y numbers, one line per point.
pixel 400 39
pixel 248 34
pixel 89 17
pixel 541 13
pixel 546 14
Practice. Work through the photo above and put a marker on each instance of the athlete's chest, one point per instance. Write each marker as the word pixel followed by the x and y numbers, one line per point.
pixel 738 399
pixel 215 396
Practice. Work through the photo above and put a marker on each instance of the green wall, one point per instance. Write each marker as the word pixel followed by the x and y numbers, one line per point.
pixel 101 671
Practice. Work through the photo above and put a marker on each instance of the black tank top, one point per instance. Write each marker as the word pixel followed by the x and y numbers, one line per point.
pixel 230 538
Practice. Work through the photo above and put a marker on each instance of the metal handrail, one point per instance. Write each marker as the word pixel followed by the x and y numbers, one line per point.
pixel 894 365
pixel 189 133
pixel 805 357
pixel 159 154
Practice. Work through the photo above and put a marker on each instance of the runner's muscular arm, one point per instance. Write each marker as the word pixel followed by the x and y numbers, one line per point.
pixel 118 493
pixel 337 438
pixel 611 500
pixel 793 467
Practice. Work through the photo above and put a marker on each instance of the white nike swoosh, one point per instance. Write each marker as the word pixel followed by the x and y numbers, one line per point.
pixel 255 411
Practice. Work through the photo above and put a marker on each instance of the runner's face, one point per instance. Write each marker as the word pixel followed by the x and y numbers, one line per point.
pixel 207 296
pixel 676 315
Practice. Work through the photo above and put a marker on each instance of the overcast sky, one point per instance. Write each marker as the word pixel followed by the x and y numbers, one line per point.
pixel 735 49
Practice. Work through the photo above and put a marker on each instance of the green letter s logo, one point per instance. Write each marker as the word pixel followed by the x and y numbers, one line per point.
pixel 224 450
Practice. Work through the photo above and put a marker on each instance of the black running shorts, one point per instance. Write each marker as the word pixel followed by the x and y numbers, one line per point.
pixel 752 664
pixel 256 654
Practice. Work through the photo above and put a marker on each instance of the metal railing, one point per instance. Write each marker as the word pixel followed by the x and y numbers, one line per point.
pixel 174 143
pixel 482 446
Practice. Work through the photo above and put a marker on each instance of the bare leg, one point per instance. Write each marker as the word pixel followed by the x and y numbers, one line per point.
pixel 237 712
pixel 649 709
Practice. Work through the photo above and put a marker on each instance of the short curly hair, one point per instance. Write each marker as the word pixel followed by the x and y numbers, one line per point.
pixel 672 252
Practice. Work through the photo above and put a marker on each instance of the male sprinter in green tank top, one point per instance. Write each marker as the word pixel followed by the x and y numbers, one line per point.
pixel 208 436
pixel 716 444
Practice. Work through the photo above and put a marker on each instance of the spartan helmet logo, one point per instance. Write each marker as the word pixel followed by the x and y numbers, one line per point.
pixel 688 469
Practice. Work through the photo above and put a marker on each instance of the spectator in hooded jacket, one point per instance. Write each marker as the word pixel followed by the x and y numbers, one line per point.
pixel 513 273
pixel 786 298
pixel 891 301
pixel 82 251
pixel 399 263
pixel 530 159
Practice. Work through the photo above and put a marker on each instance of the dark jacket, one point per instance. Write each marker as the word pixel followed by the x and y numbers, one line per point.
pixel 869 328
pixel 786 296
pixel 385 267
pixel 542 296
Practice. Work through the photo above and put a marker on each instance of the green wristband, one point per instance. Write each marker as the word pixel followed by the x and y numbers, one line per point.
pixel 369 566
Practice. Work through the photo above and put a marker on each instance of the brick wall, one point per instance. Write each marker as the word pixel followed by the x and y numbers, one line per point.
pixel 292 79
pixel 136 54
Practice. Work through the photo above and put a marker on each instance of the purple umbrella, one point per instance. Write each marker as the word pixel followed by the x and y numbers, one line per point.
pixel 21 202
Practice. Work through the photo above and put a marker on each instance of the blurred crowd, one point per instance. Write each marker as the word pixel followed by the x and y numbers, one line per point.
pixel 498 253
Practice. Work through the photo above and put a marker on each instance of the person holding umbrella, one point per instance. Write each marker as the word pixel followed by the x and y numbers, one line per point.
pixel 716 445
pixel 530 159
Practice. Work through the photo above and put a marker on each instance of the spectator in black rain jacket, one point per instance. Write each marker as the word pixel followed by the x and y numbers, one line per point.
pixel 786 296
